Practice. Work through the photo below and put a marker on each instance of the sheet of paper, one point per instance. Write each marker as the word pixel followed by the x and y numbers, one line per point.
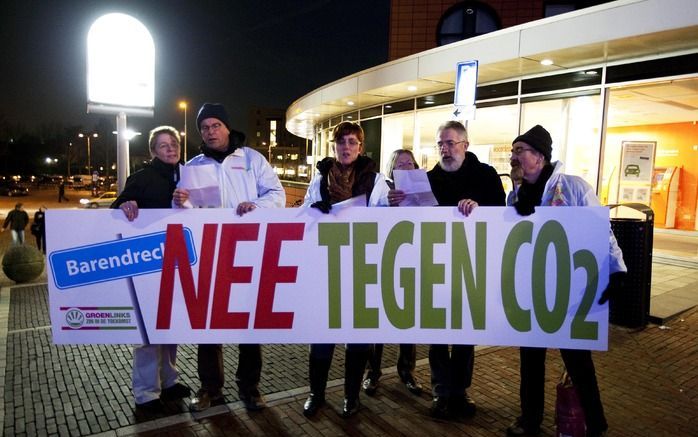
pixel 415 184
pixel 358 201
pixel 202 183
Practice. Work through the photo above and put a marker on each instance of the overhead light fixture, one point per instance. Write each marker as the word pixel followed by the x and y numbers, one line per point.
pixel 388 106
pixel 546 62
pixel 350 103
pixel 411 88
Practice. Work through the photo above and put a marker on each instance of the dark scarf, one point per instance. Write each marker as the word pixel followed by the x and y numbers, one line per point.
pixel 531 195
pixel 235 139
pixel 339 184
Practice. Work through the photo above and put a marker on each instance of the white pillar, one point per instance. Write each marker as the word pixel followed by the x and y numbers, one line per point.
pixel 122 157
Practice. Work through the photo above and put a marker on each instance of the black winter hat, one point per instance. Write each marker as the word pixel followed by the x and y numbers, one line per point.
pixel 212 110
pixel 538 138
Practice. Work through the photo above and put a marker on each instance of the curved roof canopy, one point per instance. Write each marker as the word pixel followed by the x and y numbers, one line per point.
pixel 612 32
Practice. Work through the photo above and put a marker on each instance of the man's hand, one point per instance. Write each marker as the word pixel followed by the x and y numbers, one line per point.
pixel 523 209
pixel 245 207
pixel 323 206
pixel 467 206
pixel 615 283
pixel 130 209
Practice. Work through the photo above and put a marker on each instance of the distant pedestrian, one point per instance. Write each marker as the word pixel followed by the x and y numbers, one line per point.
pixel 38 228
pixel 17 221
pixel 61 192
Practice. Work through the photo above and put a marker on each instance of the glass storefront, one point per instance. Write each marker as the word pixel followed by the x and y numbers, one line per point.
pixel 645 150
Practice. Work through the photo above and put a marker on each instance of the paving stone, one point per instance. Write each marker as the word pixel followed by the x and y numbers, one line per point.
pixel 648 380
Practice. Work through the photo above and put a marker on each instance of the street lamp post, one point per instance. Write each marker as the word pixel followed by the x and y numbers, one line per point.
pixel 89 162
pixel 69 152
pixel 183 105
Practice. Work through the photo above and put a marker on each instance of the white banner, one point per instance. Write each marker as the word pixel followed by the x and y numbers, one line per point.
pixel 359 275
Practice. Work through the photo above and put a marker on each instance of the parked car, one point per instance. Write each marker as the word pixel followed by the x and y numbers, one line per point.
pixel 11 188
pixel 104 200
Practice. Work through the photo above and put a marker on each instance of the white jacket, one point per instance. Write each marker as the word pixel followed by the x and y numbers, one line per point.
pixel 245 176
pixel 568 190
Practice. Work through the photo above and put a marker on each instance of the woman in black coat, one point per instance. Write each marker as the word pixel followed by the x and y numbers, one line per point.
pixel 154 373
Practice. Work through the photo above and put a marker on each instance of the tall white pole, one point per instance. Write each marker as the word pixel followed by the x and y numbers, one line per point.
pixel 122 156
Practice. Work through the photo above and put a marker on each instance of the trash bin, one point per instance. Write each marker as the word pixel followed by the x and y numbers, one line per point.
pixel 630 306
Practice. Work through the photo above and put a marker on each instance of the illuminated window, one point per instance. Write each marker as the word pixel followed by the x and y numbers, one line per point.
pixel 465 20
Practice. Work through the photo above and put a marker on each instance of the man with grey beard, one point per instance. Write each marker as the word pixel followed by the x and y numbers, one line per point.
pixel 461 180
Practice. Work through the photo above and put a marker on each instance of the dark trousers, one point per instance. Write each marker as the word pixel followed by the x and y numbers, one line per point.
pixel 210 367
pixel 451 373
pixel 320 360
pixel 41 242
pixel 406 361
pixel 580 368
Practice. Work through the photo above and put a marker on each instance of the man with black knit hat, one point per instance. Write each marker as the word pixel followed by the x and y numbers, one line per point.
pixel 544 184
pixel 246 181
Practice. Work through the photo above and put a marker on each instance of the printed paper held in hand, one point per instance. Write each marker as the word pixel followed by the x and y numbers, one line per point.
pixel 202 183
pixel 415 184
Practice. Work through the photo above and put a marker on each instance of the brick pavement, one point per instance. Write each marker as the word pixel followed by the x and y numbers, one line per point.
pixel 648 379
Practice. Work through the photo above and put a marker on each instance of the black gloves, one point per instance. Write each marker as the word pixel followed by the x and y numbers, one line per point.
pixel 323 206
pixel 524 208
pixel 615 283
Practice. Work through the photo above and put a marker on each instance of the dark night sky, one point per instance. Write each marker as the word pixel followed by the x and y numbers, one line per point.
pixel 242 53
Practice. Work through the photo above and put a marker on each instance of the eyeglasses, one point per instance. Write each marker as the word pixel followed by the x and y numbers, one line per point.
pixel 449 144
pixel 350 142
pixel 213 127
pixel 520 150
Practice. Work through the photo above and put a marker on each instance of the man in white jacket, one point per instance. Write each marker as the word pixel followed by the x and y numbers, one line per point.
pixel 246 181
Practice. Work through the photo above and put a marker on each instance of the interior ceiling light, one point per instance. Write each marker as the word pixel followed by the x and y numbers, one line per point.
pixel 411 88
pixel 350 103
pixel 546 62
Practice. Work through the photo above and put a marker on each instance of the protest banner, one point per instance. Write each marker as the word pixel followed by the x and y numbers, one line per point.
pixel 357 275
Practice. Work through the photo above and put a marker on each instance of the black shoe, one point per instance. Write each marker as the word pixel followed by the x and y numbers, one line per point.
pixel 313 404
pixel 203 400
pixel 154 406
pixel 350 407
pixel 253 400
pixel 518 428
pixel 370 385
pixel 439 407
pixel 174 392
pixel 462 406
pixel 413 386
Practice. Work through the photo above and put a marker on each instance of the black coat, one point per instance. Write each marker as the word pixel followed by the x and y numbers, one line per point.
pixel 473 180
pixel 151 187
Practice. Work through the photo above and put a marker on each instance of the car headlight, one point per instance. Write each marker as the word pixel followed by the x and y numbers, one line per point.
pixel 84 201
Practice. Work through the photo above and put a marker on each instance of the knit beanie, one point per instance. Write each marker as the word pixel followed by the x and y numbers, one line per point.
pixel 212 110
pixel 538 138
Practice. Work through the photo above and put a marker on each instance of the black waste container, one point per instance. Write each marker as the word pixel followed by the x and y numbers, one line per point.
pixel 630 307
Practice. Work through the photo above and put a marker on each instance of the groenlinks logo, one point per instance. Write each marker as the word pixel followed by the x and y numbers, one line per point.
pixel 74 318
